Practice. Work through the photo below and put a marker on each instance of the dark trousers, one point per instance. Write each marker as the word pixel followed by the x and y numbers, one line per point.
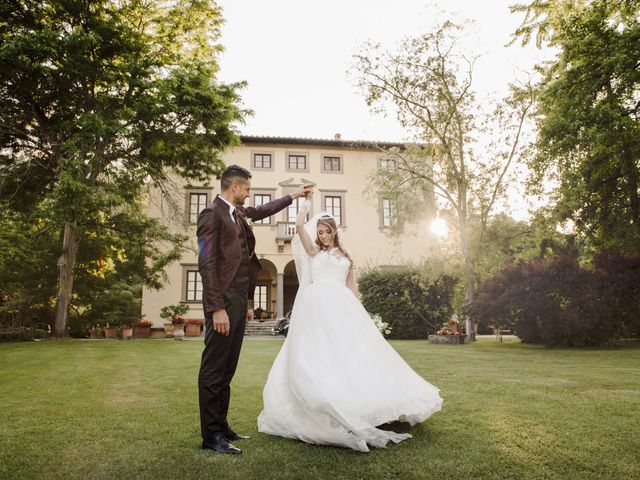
pixel 218 365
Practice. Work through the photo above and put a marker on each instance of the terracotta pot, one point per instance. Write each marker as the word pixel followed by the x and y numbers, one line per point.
pixel 110 332
pixel 178 330
pixel 168 330
pixel 192 330
pixel 94 333
pixel 127 332
pixel 142 332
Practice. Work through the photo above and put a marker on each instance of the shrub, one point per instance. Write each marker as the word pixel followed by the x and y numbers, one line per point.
pixel 117 305
pixel 413 305
pixel 620 287
pixel 21 334
pixel 78 325
pixel 556 302
pixel 174 312
pixel 144 324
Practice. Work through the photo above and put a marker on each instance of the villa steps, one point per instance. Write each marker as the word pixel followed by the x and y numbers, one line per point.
pixel 256 328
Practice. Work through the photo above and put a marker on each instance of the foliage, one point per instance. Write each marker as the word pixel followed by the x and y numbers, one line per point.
pixel 173 312
pixel 27 271
pixel 144 324
pixel 110 269
pixel 100 101
pixel 588 116
pixel 79 325
pixel 195 321
pixel 428 82
pixel 620 287
pixel 411 304
pixel 21 334
pixel 554 301
pixel 506 240
pixel 118 306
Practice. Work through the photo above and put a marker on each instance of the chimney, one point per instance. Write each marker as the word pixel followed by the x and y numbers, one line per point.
pixel 337 136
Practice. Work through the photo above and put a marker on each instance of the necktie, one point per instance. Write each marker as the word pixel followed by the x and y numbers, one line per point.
pixel 235 217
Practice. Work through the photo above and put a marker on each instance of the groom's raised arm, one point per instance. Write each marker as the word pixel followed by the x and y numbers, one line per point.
pixel 266 210
pixel 274 206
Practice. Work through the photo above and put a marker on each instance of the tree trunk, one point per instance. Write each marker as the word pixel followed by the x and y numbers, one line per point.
pixel 469 273
pixel 66 264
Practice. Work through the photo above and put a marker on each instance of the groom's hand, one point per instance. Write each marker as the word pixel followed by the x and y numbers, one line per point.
pixel 303 191
pixel 221 322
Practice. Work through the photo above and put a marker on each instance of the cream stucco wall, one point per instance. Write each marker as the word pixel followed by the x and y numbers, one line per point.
pixel 362 234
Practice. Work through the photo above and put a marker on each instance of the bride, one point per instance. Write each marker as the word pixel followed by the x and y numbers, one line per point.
pixel 336 378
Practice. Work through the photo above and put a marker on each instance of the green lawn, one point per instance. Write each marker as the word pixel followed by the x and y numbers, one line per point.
pixel 128 409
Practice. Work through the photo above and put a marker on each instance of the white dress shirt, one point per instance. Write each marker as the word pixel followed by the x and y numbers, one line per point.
pixel 232 207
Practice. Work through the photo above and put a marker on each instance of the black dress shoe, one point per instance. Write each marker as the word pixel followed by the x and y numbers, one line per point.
pixel 221 445
pixel 233 436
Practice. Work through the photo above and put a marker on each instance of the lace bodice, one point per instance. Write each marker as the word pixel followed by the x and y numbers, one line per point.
pixel 329 265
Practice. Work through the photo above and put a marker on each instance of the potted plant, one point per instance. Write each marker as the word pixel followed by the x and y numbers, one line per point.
pixel 142 329
pixel 111 330
pixel 174 313
pixel 127 330
pixel 178 326
pixel 168 330
pixel 94 332
pixel 194 327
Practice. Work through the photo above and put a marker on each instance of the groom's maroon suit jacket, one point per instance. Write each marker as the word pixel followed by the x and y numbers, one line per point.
pixel 219 247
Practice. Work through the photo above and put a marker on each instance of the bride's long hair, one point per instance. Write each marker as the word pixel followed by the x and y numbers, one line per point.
pixel 331 223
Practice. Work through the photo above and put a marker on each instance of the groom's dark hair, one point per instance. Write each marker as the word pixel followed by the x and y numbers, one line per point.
pixel 233 173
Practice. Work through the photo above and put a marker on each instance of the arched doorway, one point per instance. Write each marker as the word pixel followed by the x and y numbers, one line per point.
pixel 265 295
pixel 290 286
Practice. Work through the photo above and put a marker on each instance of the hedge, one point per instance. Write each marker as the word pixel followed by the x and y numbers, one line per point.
pixel 412 304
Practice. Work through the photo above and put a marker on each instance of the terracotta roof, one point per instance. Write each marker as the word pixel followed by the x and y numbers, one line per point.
pixel 367 144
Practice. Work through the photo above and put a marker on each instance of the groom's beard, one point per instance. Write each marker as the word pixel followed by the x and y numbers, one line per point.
pixel 239 200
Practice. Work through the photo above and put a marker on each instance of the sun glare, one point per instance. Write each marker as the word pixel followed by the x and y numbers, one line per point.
pixel 439 227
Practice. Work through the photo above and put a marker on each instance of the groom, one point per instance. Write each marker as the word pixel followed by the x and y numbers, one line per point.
pixel 228 267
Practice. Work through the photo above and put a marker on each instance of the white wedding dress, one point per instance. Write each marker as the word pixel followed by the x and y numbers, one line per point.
pixel 336 378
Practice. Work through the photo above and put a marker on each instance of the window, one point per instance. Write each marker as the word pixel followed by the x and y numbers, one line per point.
pixel 297 162
pixel 333 205
pixel 261 160
pixel 334 202
pixel 388 163
pixel 332 164
pixel 294 208
pixel 261 199
pixel 194 286
pixel 261 297
pixel 388 212
pixel 197 203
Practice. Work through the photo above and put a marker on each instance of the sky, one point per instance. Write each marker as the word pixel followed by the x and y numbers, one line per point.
pixel 295 56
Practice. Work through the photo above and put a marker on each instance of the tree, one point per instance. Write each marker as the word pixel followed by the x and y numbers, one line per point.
pixel 429 82
pixel 100 99
pixel 587 114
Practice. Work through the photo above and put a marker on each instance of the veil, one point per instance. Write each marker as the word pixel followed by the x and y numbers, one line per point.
pixel 301 258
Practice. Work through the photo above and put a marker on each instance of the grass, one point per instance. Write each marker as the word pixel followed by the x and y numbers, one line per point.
pixel 128 409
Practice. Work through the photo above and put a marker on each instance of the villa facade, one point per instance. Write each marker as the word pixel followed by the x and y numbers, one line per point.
pixel 340 171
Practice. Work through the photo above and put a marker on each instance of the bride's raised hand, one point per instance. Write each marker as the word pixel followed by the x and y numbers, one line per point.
pixel 308 191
